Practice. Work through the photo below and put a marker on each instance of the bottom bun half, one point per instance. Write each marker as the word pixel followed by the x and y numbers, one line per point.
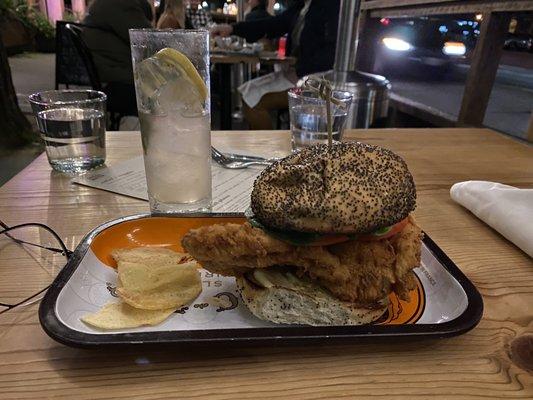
pixel 306 306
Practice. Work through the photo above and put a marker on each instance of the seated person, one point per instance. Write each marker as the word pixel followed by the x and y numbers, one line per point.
pixel 106 34
pixel 198 17
pixel 173 16
pixel 311 26
pixel 257 9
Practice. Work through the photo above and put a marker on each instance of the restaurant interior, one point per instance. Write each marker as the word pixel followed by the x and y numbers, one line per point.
pixel 290 199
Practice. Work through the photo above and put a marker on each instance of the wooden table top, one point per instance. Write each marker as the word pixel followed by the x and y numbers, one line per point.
pixel 479 364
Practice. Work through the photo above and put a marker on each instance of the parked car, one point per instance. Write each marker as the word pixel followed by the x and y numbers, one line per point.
pixel 429 41
pixel 518 42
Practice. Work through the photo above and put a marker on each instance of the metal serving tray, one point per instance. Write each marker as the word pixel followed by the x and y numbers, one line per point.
pixel 445 303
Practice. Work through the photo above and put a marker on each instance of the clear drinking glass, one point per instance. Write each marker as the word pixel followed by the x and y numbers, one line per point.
pixel 309 118
pixel 72 125
pixel 174 111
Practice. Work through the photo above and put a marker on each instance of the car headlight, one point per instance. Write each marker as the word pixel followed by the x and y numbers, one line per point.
pixel 454 49
pixel 396 44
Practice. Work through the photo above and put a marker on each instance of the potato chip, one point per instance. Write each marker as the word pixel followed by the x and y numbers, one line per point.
pixel 155 287
pixel 149 255
pixel 123 316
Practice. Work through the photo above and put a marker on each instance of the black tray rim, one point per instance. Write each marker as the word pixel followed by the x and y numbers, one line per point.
pixel 61 333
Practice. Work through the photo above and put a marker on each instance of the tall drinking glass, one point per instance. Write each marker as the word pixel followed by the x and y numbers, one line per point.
pixel 171 70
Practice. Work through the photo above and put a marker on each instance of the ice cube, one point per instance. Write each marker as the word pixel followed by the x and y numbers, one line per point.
pixel 150 77
pixel 162 89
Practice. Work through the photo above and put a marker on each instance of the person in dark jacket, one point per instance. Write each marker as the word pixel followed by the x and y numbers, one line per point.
pixel 311 37
pixel 258 10
pixel 311 29
pixel 106 34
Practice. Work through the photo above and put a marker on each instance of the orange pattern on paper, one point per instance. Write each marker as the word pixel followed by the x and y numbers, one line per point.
pixel 402 312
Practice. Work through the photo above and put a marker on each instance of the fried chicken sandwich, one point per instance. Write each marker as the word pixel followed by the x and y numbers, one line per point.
pixel 330 235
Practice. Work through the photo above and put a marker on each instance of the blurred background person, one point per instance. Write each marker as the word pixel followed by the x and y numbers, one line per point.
pixel 256 9
pixel 173 16
pixel 159 10
pixel 311 29
pixel 106 34
pixel 198 17
pixel 259 9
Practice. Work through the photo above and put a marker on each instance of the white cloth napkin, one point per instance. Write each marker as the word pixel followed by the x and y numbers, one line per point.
pixel 254 89
pixel 507 209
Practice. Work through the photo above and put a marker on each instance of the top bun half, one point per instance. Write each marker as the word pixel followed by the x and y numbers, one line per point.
pixel 350 188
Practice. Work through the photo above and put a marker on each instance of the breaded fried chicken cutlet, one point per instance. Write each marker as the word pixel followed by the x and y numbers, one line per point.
pixel 330 236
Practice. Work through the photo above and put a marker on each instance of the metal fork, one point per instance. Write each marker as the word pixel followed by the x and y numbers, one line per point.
pixel 237 161
pixel 233 163
pixel 239 157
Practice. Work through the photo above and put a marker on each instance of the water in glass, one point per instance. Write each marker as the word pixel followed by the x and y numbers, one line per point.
pixel 309 125
pixel 74 138
pixel 308 115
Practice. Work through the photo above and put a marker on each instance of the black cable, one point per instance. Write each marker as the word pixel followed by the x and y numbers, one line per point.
pixel 64 251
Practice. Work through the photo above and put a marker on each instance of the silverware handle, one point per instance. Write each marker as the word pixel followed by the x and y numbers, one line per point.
pixel 245 157
pixel 259 163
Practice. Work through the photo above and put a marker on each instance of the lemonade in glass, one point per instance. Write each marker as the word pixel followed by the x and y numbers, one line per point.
pixel 171 70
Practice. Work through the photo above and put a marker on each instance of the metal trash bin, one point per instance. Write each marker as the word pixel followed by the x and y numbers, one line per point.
pixel 370 96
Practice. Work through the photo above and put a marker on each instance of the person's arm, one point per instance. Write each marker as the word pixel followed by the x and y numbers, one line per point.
pixel 132 16
pixel 272 27
pixel 254 16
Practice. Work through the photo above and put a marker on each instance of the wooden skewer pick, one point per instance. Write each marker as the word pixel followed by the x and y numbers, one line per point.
pixel 322 87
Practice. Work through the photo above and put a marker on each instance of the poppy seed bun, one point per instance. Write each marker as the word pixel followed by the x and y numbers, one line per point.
pixel 346 188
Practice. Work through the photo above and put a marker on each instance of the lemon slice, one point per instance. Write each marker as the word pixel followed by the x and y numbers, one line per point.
pixel 184 65
pixel 167 80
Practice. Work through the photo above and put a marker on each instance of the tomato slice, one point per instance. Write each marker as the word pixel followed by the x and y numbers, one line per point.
pixel 329 240
pixel 378 235
pixel 393 230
